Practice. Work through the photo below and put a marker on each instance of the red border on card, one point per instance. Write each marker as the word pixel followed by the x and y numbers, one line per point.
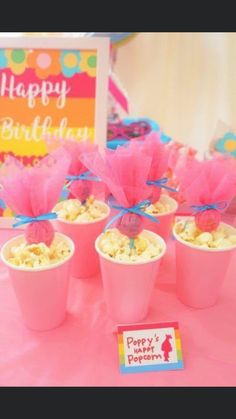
pixel 123 328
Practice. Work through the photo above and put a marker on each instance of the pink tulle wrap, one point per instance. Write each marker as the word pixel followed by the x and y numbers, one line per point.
pixel 178 152
pixel 179 156
pixel 82 189
pixel 125 172
pixel 206 183
pixel 158 152
pixel 34 191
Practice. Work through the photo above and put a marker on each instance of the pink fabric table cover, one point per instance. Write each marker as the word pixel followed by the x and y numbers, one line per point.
pixel 83 351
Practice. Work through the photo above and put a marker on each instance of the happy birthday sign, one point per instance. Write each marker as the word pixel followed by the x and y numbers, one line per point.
pixel 149 347
pixel 48 93
pixel 33 108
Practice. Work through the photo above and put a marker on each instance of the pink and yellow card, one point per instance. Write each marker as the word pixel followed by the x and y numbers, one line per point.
pixel 149 347
pixel 51 87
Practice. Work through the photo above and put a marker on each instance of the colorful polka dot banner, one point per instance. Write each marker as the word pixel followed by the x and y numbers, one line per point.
pixel 45 94
pixel 149 347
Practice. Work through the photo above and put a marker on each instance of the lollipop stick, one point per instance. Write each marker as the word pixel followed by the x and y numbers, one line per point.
pixel 131 243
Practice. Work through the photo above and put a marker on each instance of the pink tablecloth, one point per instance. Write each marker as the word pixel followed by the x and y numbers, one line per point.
pixel 83 351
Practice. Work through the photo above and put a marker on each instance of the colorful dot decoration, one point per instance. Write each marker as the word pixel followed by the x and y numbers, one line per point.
pixel 230 145
pixel 92 61
pixel 226 144
pixel 49 62
pixel 3 59
pixel 44 60
pixel 18 55
pixel 70 60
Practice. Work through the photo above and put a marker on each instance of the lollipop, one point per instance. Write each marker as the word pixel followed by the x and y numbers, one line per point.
pixel 125 172
pixel 158 152
pixel 32 193
pixel 208 187
pixel 81 183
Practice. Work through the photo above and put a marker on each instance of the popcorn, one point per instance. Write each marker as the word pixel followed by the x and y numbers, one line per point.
pixel 38 255
pixel 159 207
pixel 232 239
pixel 204 238
pixel 224 243
pixel 189 231
pixel 218 239
pixel 117 246
pixel 218 234
pixel 72 210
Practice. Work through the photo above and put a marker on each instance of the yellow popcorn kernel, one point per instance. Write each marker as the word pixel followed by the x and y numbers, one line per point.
pixel 58 206
pixel 222 229
pixel 95 213
pixel 71 205
pixel 188 231
pixel 224 243
pixel 61 213
pixel 158 208
pixel 36 264
pixel 14 250
pixel 106 247
pixel 213 244
pixel 180 227
pixel 232 238
pixel 162 207
pixel 43 260
pixel 90 199
pixel 204 245
pixel 151 209
pixel 82 209
pixel 29 263
pixel 204 238
pixel 71 217
pixel 83 217
pixel 141 244
pixel 15 261
pixel 217 235
pixel 36 251
pixel 158 205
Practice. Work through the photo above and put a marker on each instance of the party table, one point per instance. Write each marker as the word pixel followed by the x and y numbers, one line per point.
pixel 83 351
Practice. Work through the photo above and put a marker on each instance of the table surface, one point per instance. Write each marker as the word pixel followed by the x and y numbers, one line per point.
pixel 83 351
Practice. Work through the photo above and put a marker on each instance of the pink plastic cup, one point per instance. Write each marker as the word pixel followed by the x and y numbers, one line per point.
pixel 164 227
pixel 128 286
pixel 200 272
pixel 41 292
pixel 85 262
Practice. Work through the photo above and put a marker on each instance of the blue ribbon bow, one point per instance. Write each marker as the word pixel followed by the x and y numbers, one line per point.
pixel 83 176
pixel 220 206
pixel 161 183
pixel 24 219
pixel 136 209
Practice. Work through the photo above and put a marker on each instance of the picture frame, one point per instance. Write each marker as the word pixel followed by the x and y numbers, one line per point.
pixel 23 107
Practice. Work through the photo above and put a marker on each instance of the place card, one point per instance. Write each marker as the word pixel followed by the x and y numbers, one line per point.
pixel 149 347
